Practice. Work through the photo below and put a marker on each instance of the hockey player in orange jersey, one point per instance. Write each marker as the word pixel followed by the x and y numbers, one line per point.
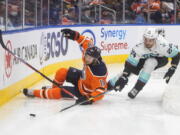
pixel 88 82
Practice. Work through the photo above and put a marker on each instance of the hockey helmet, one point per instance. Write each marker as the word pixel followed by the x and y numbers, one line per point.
pixel 150 33
pixel 94 52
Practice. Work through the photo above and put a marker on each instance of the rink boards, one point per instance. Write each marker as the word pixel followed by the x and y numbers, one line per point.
pixel 47 50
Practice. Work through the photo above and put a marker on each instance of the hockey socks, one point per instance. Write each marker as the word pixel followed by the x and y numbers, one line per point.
pixel 137 88
pixel 52 93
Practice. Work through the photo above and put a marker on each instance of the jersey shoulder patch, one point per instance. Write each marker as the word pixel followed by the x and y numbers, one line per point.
pixel 99 69
pixel 138 49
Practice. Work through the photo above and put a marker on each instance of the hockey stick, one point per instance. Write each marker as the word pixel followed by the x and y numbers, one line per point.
pixel 30 66
pixel 89 99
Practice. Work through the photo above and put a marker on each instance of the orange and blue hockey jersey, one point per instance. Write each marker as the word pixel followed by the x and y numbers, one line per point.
pixel 93 80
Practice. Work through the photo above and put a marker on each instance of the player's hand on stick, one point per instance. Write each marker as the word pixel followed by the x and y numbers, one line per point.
pixel 70 34
pixel 169 73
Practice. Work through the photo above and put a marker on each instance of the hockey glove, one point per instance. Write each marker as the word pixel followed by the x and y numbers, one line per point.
pixel 84 98
pixel 121 82
pixel 110 86
pixel 71 34
pixel 169 73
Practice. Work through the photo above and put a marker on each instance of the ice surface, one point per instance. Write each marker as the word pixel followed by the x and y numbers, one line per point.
pixel 171 98
pixel 115 114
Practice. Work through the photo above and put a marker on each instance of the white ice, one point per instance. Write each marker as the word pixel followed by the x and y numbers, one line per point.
pixel 115 114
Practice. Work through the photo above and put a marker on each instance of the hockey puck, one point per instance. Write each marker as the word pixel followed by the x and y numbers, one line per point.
pixel 32 115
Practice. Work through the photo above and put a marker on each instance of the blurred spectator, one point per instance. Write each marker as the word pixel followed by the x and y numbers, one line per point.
pixel 14 12
pixel 164 14
pixel 162 17
pixel 96 2
pixel 117 6
pixel 154 5
pixel 178 17
pixel 70 18
pixel 55 12
pixel 71 2
pixel 136 11
pixel 178 12
pixel 2 15
pixel 140 18
pixel 168 5
pixel 45 13
pixel 156 17
pixel 106 18
pixel 86 16
pixel 138 7
pixel 86 2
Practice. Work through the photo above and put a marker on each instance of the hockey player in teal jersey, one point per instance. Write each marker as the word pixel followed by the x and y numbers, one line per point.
pixel 152 53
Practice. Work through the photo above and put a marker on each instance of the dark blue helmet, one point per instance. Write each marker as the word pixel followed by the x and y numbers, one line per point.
pixel 94 52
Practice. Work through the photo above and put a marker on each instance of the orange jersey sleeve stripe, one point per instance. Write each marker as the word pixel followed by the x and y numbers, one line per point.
pixel 84 41
pixel 54 93
pixel 81 39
